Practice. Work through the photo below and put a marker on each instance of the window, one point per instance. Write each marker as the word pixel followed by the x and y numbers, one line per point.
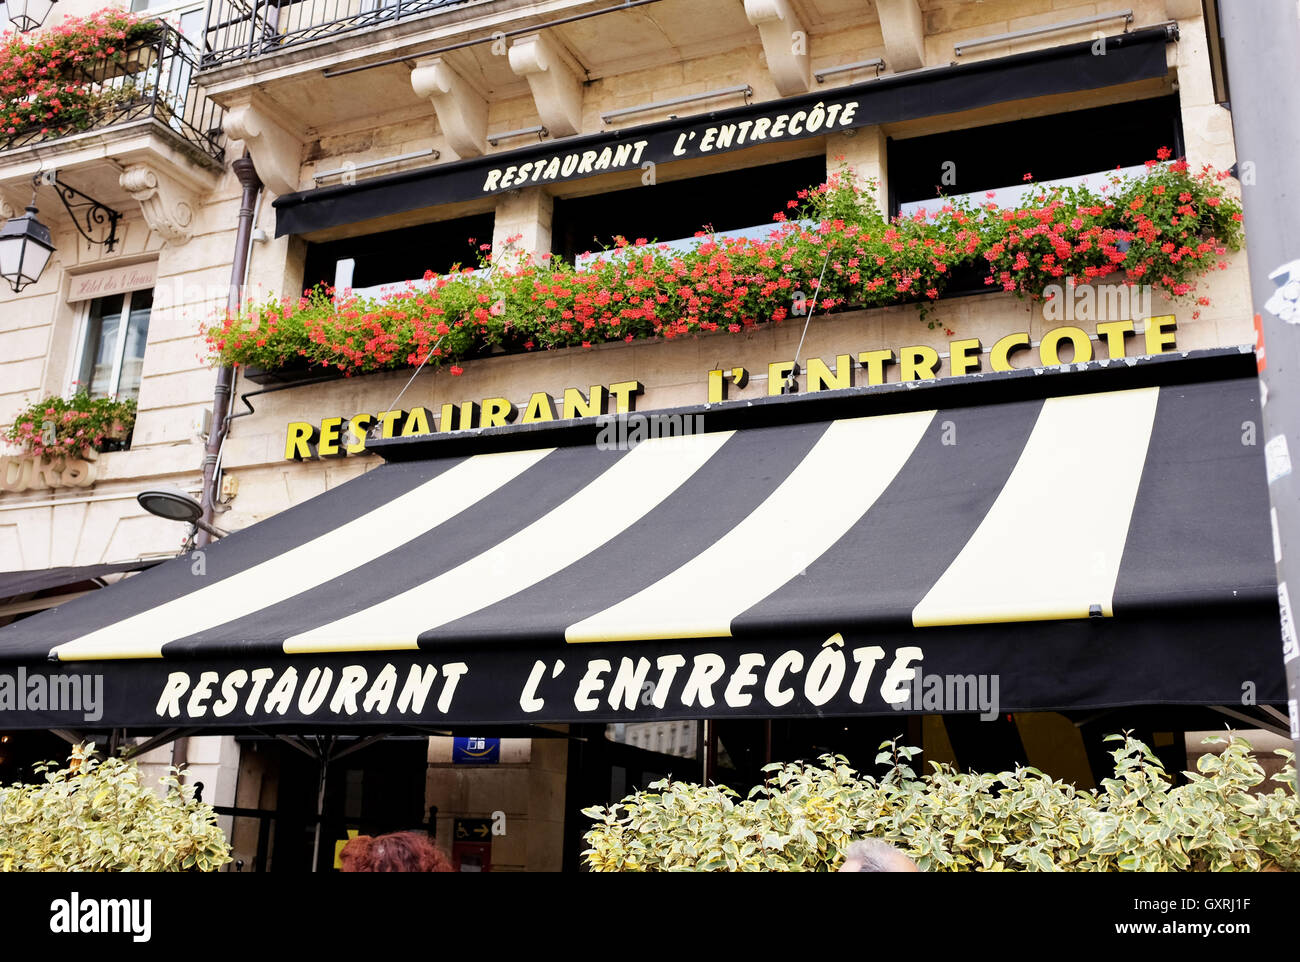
pixel 112 350
pixel 185 17
pixel 739 202
pixel 1059 148
pixel 396 256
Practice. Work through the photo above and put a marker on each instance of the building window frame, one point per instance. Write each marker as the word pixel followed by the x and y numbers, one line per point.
pixel 81 341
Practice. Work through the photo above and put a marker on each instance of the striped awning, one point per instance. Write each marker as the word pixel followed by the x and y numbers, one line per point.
pixel 1089 549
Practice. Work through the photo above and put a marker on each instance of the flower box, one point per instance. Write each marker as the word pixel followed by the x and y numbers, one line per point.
pixel 1166 228
pixel 294 374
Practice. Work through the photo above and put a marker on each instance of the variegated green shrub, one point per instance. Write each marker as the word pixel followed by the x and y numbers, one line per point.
pixel 805 815
pixel 97 815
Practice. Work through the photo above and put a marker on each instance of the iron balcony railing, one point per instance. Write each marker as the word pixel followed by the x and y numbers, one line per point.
pixel 153 79
pixel 245 29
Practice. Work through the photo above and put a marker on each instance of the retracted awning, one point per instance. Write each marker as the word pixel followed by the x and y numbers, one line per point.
pixel 950 88
pixel 15 583
pixel 1090 539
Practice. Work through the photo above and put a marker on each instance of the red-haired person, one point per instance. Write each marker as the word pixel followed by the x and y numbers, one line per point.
pixel 395 852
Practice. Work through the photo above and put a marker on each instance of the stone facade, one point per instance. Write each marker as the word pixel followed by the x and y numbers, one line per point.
pixel 297 124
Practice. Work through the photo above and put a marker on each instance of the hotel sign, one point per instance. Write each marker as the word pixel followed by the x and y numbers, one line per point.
pixel 115 280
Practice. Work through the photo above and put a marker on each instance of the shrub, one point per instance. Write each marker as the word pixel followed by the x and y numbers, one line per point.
pixel 95 815
pixel 805 815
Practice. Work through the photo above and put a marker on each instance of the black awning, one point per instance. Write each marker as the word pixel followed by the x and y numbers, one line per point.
pixel 1129 57
pixel 15 583
pixel 1087 540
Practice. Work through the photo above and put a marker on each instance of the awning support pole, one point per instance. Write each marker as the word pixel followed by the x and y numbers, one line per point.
pixel 710 762
pixel 326 744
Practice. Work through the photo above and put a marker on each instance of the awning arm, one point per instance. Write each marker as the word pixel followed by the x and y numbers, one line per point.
pixel 1254 721
pixel 162 738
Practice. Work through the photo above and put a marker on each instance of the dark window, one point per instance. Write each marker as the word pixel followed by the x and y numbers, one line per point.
pixel 670 210
pixel 401 255
pixel 1050 148
pixel 112 354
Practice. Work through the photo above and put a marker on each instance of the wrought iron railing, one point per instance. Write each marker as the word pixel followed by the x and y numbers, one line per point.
pixel 245 29
pixel 153 78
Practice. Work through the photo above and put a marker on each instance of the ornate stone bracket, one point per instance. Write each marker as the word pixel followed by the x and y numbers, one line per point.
pixel 903 28
pixel 462 110
pixel 785 44
pixel 275 148
pixel 168 205
pixel 556 86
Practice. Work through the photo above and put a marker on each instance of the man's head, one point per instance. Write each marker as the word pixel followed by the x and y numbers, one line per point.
pixel 873 855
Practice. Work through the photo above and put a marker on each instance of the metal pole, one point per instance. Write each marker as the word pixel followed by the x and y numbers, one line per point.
pixel 326 747
pixel 1261 44
pixel 252 185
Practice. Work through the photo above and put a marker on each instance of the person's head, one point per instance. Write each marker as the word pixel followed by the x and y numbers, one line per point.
pixel 395 852
pixel 873 855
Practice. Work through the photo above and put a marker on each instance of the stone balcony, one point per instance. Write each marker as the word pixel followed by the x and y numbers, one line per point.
pixel 149 135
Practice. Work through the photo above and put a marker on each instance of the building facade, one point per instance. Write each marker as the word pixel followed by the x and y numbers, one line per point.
pixel 397 143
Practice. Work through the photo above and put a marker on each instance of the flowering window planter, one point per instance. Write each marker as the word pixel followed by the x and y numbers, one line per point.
pixel 1165 227
pixel 93 72
pixel 289 374
pixel 57 426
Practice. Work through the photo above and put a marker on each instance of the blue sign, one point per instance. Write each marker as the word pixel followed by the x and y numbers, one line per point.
pixel 476 751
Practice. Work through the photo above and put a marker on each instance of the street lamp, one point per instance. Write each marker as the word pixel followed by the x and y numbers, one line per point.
pixel 28 14
pixel 25 245
pixel 25 249
pixel 175 505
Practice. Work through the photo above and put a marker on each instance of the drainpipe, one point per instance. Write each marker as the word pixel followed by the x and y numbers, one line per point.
pixel 252 186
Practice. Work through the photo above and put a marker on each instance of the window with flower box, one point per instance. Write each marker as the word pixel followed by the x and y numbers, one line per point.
pixel 114 331
pixel 388 259
pixel 1079 146
pixel 734 203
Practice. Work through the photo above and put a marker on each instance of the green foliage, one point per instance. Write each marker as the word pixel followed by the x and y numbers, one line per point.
pixel 805 815
pixel 81 423
pixel 95 815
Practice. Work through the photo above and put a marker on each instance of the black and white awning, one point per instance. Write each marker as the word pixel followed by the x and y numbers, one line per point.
pixel 1089 549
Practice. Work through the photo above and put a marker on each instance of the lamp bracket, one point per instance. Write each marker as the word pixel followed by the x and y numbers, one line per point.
pixel 95 221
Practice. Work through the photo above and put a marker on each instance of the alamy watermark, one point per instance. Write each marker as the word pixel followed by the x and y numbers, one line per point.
pixel 76 915
pixel 951 693
pixel 622 432
pixel 53 693
pixel 1097 302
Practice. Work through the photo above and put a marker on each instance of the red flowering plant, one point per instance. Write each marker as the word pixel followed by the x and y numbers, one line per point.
pixel 79 424
pixel 1166 227
pixel 57 81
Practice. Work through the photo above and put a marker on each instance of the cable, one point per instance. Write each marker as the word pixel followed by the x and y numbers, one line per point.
pixel 392 405
pixel 794 373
